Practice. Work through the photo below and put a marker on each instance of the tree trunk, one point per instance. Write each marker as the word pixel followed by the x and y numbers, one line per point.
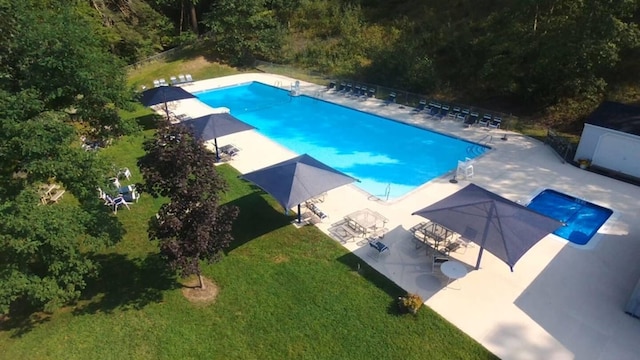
pixel 181 16
pixel 194 17
pixel 201 281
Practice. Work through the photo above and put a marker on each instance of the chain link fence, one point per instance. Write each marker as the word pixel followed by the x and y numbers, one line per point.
pixel 561 145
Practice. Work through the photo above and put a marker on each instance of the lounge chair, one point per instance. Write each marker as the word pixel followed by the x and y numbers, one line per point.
pixel 486 119
pixel 453 114
pixel 331 85
pixel 495 123
pixel 421 105
pixel 229 149
pixel 316 210
pixel 435 109
pixel 363 92
pixel 156 83
pixel 444 111
pixel 188 78
pixel 391 98
pixel 181 79
pixel 348 89
pixel 342 87
pixel 472 119
pixel 174 80
pixel 372 92
pixel 356 90
pixel 163 82
pixel 462 115
pixel 378 246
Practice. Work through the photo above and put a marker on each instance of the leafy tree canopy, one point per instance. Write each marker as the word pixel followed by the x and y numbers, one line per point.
pixel 192 226
pixel 52 50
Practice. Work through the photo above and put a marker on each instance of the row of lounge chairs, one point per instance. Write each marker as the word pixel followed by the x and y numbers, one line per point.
pixel 180 79
pixel 435 109
pixel 350 89
pixel 466 116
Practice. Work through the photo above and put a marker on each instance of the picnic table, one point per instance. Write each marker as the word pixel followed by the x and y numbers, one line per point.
pixel 367 222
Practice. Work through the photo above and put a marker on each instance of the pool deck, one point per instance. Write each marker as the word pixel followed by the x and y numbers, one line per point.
pixel 561 301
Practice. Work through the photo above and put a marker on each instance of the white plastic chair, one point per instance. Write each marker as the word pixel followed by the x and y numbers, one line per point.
pixel 465 169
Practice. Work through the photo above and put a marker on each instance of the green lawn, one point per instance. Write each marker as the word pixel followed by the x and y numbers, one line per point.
pixel 284 293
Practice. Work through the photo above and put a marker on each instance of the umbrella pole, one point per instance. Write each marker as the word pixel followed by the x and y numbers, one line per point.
pixel 484 235
pixel 215 142
pixel 299 215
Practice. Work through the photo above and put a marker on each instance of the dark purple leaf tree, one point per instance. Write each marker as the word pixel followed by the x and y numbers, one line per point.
pixel 193 226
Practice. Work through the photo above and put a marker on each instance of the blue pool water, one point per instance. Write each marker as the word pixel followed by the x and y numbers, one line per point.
pixel 385 155
pixel 582 218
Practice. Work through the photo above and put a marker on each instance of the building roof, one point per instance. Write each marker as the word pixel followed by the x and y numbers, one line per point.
pixel 616 116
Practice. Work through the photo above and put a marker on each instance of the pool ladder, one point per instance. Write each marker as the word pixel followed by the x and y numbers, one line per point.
pixel 387 192
pixel 486 140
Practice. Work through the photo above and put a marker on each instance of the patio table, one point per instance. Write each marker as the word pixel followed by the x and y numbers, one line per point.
pixel 367 221
pixel 453 270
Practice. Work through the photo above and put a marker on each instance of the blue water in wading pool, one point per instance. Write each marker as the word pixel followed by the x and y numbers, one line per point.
pixel 582 218
pixel 385 155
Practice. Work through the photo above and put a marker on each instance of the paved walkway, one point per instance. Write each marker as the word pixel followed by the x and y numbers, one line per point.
pixel 561 301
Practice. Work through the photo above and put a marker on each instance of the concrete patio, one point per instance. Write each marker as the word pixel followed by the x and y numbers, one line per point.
pixel 561 302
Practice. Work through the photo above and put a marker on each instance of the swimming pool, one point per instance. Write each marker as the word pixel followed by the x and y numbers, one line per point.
pixel 582 218
pixel 389 158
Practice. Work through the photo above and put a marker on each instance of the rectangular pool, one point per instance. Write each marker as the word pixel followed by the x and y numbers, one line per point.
pixel 582 219
pixel 390 158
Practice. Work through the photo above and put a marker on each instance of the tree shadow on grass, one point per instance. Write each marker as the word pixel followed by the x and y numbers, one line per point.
pixel 22 319
pixel 102 225
pixel 373 276
pixel 126 284
pixel 257 217
pixel 149 121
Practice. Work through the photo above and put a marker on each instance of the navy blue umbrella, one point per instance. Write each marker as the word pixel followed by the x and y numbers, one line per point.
pixel 505 228
pixel 163 95
pixel 215 125
pixel 297 180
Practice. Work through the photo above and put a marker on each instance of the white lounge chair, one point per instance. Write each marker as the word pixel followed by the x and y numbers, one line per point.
pixel 188 78
pixel 182 79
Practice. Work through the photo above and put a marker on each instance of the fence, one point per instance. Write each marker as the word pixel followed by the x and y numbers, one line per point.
pixel 560 145
pixel 381 92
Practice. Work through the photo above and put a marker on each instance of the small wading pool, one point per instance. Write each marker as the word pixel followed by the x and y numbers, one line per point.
pixel 582 218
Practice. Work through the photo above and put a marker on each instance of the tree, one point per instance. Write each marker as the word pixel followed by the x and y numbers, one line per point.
pixel 55 77
pixel 245 29
pixel 547 50
pixel 192 226
pixel 53 49
pixel 42 264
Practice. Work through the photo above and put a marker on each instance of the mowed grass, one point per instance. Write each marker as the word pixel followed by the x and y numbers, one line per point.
pixel 284 293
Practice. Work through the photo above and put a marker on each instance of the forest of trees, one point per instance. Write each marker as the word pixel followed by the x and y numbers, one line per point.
pixel 62 76
pixel 558 56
